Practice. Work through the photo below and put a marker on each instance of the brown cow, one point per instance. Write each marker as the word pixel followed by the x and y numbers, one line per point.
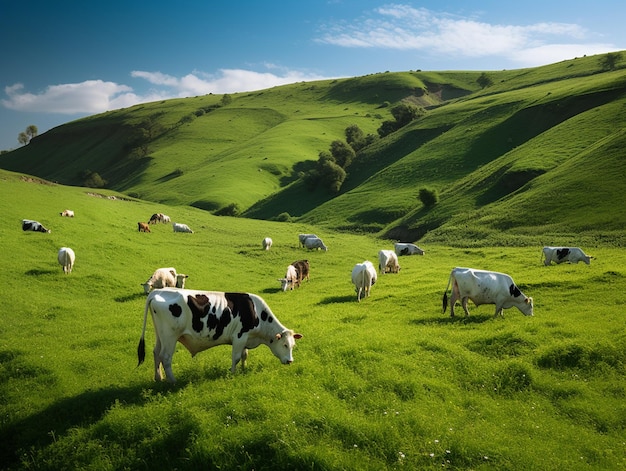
pixel 143 227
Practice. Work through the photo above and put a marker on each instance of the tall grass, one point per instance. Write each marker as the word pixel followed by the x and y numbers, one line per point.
pixel 388 383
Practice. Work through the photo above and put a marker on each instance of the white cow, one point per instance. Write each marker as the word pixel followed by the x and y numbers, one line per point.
pixel 67 213
pixel 314 243
pixel 363 277
pixel 203 319
pixel 485 287
pixel 267 243
pixel 66 258
pixel 407 249
pixel 291 279
pixel 179 227
pixel 388 262
pixel 303 237
pixel 164 278
pixel 564 254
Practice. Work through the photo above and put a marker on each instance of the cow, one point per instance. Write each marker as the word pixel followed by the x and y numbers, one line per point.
pixel 66 258
pixel 143 227
pixel 291 279
pixel 34 226
pixel 164 278
pixel 267 243
pixel 200 320
pixel 303 237
pixel 179 227
pixel 388 262
pixel 67 213
pixel 564 254
pixel 485 287
pixel 402 248
pixel 159 217
pixel 314 243
pixel 302 269
pixel 363 277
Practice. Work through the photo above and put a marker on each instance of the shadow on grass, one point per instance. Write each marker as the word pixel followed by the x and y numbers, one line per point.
pixel 41 430
pixel 338 299
pixel 37 272
pixel 445 319
pixel 130 297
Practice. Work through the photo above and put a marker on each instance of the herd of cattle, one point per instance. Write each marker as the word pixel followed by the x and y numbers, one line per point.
pixel 203 319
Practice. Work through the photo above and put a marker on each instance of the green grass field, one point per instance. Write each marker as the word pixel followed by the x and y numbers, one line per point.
pixel 388 383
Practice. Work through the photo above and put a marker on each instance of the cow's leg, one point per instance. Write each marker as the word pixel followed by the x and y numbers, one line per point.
pixel 239 353
pixel 157 360
pixel 166 353
pixel 464 305
pixel 499 310
pixel 454 295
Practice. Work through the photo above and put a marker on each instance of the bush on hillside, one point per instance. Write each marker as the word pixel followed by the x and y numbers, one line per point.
pixel 428 197
pixel 230 210
pixel 93 179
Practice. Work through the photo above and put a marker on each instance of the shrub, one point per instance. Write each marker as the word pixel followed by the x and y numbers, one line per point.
pixel 230 210
pixel 428 197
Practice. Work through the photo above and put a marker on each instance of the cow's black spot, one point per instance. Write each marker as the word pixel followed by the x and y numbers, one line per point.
pixel 219 323
pixel 241 305
pixel 176 310
pixel 562 253
pixel 404 251
pixel 199 306
pixel 514 290
pixel 266 317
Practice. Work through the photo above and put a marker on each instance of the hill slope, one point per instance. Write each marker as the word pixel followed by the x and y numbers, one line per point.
pixel 537 151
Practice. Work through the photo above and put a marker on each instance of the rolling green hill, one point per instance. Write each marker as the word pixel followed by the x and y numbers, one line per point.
pixel 536 156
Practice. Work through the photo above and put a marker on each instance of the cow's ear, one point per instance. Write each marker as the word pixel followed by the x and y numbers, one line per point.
pixel 297 336
pixel 278 336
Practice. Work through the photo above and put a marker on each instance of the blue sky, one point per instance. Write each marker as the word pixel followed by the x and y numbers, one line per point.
pixel 62 60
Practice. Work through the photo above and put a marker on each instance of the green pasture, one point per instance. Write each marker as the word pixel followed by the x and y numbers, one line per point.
pixel 388 383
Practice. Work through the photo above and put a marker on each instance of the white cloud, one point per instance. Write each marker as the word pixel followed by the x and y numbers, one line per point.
pixel 402 27
pixel 87 97
pixel 96 96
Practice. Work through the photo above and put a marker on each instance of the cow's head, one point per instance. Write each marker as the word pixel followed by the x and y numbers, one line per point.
pixel 285 283
pixel 527 307
pixel 147 287
pixel 282 346
pixel 180 280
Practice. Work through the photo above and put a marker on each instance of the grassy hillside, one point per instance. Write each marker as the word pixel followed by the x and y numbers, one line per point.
pixel 494 155
pixel 388 383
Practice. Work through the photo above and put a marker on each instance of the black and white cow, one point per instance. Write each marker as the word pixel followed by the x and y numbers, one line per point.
pixel 564 254
pixel 30 225
pixel 402 248
pixel 203 319
pixel 485 287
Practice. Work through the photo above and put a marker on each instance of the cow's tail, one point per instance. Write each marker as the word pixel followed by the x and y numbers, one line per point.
pixel 444 301
pixel 141 348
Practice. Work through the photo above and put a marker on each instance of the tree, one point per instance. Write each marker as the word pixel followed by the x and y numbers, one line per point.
pixel 609 61
pixel 25 136
pixel 403 114
pixel 484 80
pixel 342 153
pixel 429 198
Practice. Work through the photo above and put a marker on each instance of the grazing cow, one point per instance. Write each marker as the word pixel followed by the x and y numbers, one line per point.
pixel 164 278
pixel 66 258
pixel 290 280
pixel 564 254
pixel 302 269
pixel 143 227
pixel 485 287
pixel 67 213
pixel 388 262
pixel 363 277
pixel 407 249
pixel 303 237
pixel 267 243
pixel 159 217
pixel 34 226
pixel 203 319
pixel 178 227
pixel 314 243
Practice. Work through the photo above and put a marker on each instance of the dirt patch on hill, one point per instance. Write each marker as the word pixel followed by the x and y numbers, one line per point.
pixel 39 181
